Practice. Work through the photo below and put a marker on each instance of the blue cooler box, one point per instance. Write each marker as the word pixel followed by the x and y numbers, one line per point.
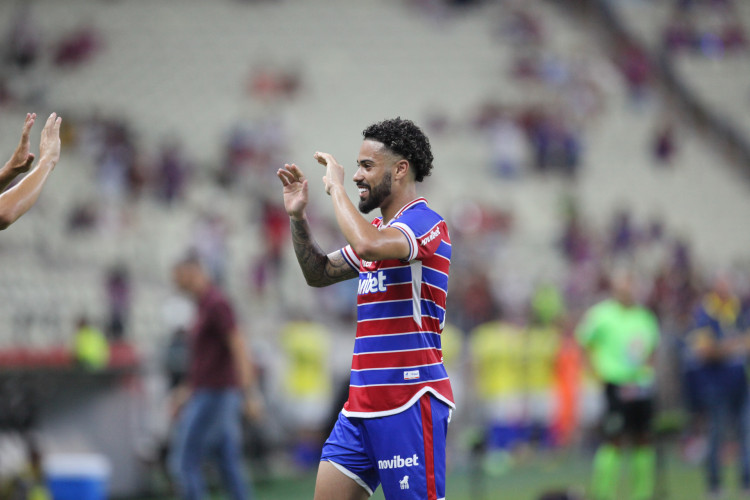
pixel 77 476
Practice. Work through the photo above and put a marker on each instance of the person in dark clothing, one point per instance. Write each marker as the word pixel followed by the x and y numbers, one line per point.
pixel 209 405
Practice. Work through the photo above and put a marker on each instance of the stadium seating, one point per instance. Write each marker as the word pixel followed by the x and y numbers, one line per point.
pixel 181 68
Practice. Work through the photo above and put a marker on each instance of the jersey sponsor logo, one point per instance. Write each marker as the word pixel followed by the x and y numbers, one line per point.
pixel 433 234
pixel 397 462
pixel 404 483
pixel 411 374
pixel 372 283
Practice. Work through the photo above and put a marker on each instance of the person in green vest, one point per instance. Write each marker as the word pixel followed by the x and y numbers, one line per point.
pixel 620 338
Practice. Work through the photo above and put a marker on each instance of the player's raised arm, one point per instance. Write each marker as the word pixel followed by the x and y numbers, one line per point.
pixel 369 242
pixel 19 199
pixel 21 161
pixel 318 268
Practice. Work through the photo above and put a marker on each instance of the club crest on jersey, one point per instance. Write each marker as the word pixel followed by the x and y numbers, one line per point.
pixel 372 283
pixel 433 234
pixel 404 483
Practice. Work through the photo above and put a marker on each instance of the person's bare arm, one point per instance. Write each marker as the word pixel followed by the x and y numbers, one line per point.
pixel 21 161
pixel 19 199
pixel 318 268
pixel 240 359
pixel 243 365
pixel 369 242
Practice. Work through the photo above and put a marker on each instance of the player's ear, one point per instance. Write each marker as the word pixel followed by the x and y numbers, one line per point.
pixel 402 169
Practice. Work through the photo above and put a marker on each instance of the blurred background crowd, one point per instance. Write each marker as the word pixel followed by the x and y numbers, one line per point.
pixel 570 137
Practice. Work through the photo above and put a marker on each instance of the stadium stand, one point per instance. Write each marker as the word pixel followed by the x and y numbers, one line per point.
pixel 275 81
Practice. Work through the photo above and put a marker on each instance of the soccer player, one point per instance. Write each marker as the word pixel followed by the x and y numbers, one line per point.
pixel 620 338
pixel 16 201
pixel 392 430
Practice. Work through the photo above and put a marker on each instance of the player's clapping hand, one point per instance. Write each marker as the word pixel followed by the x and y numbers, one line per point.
pixel 49 146
pixel 295 190
pixel 22 158
pixel 334 171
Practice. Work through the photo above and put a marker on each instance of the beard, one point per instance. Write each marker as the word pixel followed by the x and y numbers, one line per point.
pixel 376 195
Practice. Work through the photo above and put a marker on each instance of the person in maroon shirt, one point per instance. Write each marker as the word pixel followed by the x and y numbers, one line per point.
pixel 209 405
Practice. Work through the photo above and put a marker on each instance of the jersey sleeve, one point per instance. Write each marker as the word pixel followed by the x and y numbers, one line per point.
pixel 351 257
pixel 425 231
pixel 409 234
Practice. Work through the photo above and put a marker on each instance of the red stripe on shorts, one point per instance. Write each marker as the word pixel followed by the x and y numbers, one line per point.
pixel 429 455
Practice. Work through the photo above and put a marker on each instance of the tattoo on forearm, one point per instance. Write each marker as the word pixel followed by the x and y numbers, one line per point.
pixel 311 258
pixel 317 268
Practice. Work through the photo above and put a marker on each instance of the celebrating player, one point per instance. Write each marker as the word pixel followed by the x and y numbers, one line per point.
pixel 392 430
pixel 19 199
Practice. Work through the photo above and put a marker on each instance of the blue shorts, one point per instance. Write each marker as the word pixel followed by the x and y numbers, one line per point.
pixel 404 452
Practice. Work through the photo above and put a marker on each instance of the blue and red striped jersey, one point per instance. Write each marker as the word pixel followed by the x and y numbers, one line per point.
pixel 400 316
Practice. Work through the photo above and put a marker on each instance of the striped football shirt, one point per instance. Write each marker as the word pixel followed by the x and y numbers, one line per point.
pixel 400 316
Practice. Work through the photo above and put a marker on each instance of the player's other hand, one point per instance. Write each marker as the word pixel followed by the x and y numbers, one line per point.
pixel 334 171
pixel 49 146
pixel 22 158
pixel 295 190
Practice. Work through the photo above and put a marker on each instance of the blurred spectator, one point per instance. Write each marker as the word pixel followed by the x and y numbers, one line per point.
pixel 717 378
pixel 118 289
pixel 83 216
pixel 575 243
pixel 77 47
pixel 30 483
pixel 663 143
pixel 557 145
pixel 172 172
pixel 679 34
pixel 268 83
pixel 250 150
pixel 568 368
pixel 497 353
pixel 209 405
pixel 710 29
pixel 624 237
pixel 116 153
pixel 636 68
pixel 91 349
pixel 477 304
pixel 274 233
pixel 508 147
pixel 547 305
pixel 210 243
pixel 523 28
pixel 24 39
pixel 6 96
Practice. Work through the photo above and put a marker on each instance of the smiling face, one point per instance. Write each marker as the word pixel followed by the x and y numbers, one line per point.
pixel 374 175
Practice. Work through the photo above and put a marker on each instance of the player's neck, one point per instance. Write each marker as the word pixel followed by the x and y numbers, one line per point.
pixel 389 210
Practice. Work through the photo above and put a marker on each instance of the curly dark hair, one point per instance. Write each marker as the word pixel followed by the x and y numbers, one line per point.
pixel 406 139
